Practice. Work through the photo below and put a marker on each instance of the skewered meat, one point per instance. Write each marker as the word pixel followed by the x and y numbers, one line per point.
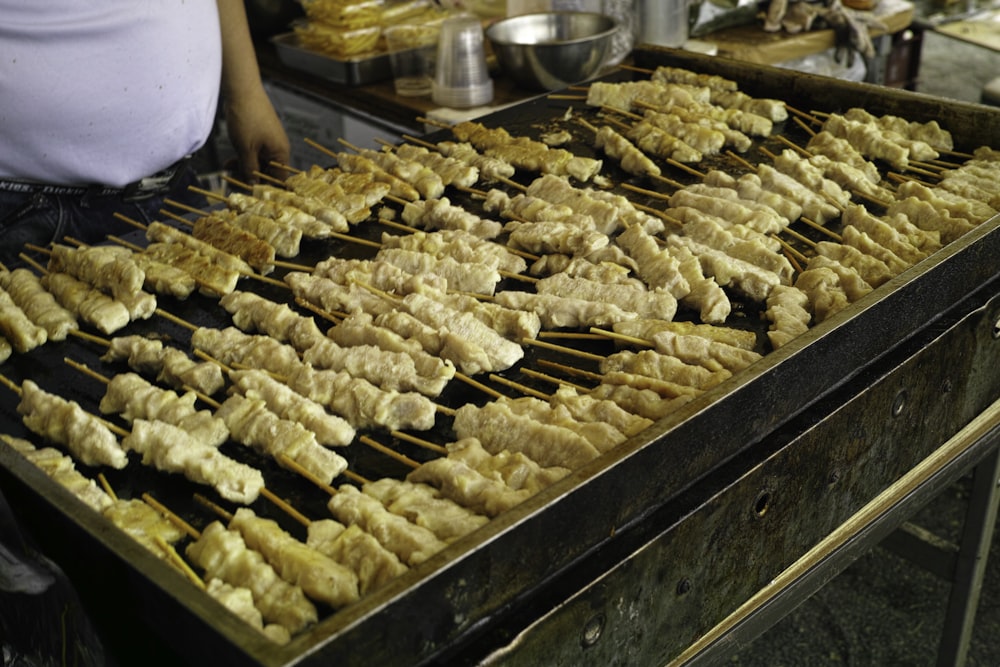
pixel 842 151
pixel 252 312
pixel 501 352
pixel 319 576
pixel 645 329
pixel 66 423
pixel 110 269
pixel 352 192
pixel 375 273
pixel 644 402
pixel 655 304
pixel 514 469
pixel 168 364
pixel 930 218
pixel 787 311
pixel 712 234
pixel 554 236
pixel 89 304
pixel 581 267
pixel 425 180
pixel 390 371
pixel 625 152
pixel 853 236
pixel 703 139
pixel 239 600
pixel 870 140
pixel 957 206
pixel 748 278
pixel 883 233
pixel 499 428
pixel 625 95
pixel 660 366
pixel 26 289
pixel 508 322
pixel 930 132
pixel 360 402
pixel 360 164
pixel 373 564
pixel 735 210
pixel 826 296
pixel 220 234
pixel 465 355
pixel 231 346
pixel 158 232
pixel 311 216
pixel 62 469
pixel 467 486
pixel 708 353
pixel 330 430
pixel 557 311
pixel 490 168
pixel 424 506
pixel 460 245
pixel 473 277
pixel 359 328
pixel 665 74
pixel 808 173
pixel 442 214
pixel 171 449
pixel 413 544
pixel 451 170
pixel 601 435
pixel 132 397
pixel 657 141
pixel 851 282
pixel 211 278
pixel 17 328
pixel 872 270
pixel 254 425
pixel 224 555
pixel 657 267
pixel 284 238
pixel 814 205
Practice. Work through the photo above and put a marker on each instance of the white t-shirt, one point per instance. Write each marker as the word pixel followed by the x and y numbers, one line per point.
pixel 105 91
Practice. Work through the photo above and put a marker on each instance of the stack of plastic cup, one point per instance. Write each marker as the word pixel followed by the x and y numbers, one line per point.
pixel 461 78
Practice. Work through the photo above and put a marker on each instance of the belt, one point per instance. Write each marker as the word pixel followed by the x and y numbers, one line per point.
pixel 145 187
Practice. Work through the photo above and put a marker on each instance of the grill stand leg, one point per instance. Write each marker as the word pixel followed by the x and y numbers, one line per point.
pixel 970 566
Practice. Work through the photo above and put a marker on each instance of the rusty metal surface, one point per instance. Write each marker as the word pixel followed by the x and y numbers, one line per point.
pixel 590 524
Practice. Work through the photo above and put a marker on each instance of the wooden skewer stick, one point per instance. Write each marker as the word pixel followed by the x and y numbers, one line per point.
pixel 524 389
pixel 420 442
pixel 567 335
pixel 801 114
pixel 175 319
pixel 175 559
pixel 820 228
pixel 810 131
pixel 86 370
pixel 683 167
pixel 649 193
pixel 431 121
pixel 321 148
pixel 126 244
pixel 420 142
pixel 660 214
pixel 805 239
pixel 132 221
pixel 185 527
pixel 633 68
pixel 571 370
pixel 564 96
pixel 377 446
pixel 478 385
pixel 513 184
pixel 794 256
pixel 83 335
pixel 287 462
pixel 355 477
pixel 219 510
pixel 560 348
pixel 287 167
pixel 10 384
pixel 740 159
pixel 554 380
pixel 614 335
pixel 794 146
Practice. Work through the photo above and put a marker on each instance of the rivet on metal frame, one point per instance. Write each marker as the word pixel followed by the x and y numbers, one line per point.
pixel 592 630
pixel 899 403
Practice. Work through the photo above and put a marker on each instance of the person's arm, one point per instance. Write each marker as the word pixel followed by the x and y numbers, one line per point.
pixel 254 127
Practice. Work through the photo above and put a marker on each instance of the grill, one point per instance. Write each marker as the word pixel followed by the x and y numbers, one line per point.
pixel 634 556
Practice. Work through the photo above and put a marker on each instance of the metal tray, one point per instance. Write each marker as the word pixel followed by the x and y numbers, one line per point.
pixel 453 598
pixel 352 71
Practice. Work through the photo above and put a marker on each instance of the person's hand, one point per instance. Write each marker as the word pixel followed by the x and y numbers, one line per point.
pixel 258 136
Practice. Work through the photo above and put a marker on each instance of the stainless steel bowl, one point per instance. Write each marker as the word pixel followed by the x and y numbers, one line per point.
pixel 551 50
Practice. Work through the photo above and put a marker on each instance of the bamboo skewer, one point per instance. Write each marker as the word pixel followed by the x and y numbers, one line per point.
pixel 524 389
pixel 554 380
pixel 478 385
pixel 388 451
pixel 564 350
pixel 420 442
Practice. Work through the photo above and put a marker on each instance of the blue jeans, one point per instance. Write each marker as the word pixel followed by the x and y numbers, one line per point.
pixel 41 219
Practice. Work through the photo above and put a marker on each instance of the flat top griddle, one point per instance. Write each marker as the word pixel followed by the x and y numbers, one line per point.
pixel 418 616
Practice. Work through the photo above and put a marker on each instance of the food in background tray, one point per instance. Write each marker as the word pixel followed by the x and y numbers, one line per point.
pixel 336 42
pixel 344 14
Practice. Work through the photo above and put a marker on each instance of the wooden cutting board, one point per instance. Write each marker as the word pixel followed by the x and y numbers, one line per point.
pixel 982 30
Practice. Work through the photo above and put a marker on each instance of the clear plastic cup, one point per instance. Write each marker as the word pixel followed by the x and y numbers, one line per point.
pixel 412 54
pixel 461 78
